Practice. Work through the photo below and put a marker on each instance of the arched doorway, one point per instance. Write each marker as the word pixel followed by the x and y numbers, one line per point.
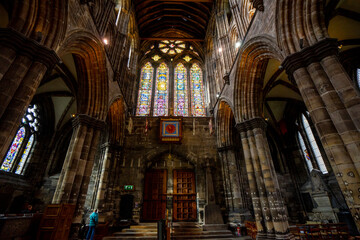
pixel 170 190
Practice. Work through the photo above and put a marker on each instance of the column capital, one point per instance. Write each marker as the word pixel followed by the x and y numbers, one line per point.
pixel 27 47
pixel 251 124
pixel 258 4
pixel 309 55
pixel 111 146
pixel 86 120
pixel 225 148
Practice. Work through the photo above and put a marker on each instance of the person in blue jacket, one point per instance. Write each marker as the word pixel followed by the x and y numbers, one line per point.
pixel 94 217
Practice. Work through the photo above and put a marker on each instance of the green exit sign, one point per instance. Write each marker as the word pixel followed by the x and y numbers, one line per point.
pixel 129 187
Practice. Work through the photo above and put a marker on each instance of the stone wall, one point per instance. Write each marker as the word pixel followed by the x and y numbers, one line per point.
pixel 144 150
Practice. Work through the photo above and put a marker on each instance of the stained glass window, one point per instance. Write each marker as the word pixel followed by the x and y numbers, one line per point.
pixel 197 89
pixel 171 47
pixel 180 93
pixel 313 144
pixel 305 152
pixel 13 151
pixel 144 99
pixel 25 155
pixel 161 91
pixel 358 77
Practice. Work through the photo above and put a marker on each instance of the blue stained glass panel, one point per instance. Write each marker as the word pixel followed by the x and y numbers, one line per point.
pixel 161 91
pixel 181 107
pixel 197 92
pixel 144 99
pixel 25 155
pixel 13 151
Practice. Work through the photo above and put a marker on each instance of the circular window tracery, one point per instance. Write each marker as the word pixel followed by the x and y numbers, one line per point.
pixel 172 46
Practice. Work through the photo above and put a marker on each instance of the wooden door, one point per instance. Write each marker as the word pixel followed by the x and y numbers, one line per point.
pixel 184 199
pixel 64 221
pixel 154 206
pixel 56 222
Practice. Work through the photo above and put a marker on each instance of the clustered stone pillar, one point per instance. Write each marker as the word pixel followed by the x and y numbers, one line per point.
pixel 269 209
pixel 23 63
pixel 334 107
pixel 107 177
pixel 234 190
pixel 75 174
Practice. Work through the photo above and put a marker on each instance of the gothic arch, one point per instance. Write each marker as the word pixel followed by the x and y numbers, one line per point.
pixel 27 18
pixel 116 121
pixel 154 154
pixel 224 125
pixel 156 158
pixel 89 56
pixel 248 78
pixel 300 23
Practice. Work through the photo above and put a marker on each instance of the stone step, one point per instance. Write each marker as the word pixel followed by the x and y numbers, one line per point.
pixel 202 233
pixel 212 227
pixel 128 237
pixel 210 236
pixel 139 230
pixel 143 227
pixel 184 224
pixel 135 234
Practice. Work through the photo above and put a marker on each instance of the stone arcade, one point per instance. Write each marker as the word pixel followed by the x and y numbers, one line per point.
pixel 261 99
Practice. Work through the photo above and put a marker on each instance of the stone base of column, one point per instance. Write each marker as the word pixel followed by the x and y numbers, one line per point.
pixel 267 236
pixel 284 236
pixel 234 218
pixel 263 236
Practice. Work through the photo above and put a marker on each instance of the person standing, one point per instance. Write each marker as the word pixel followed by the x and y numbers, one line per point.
pixel 94 217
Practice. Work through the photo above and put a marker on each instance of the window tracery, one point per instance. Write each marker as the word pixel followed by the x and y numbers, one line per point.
pixel 197 89
pixel 171 46
pixel 145 90
pixel 313 150
pixel 24 141
pixel 180 96
pixel 161 91
pixel 177 85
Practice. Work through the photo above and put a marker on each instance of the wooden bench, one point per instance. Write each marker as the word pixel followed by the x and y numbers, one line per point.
pixel 320 231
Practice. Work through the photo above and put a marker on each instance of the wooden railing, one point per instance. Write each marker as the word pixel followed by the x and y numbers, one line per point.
pixel 335 231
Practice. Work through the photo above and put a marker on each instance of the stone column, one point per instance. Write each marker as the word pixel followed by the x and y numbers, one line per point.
pixel 269 209
pixel 334 107
pixel 105 181
pixel 234 191
pixel 75 174
pixel 212 210
pixel 23 64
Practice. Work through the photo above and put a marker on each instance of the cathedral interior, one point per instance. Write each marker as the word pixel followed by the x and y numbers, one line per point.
pixel 209 112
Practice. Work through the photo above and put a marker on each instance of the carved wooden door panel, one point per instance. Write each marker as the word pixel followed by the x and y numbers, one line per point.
pixel 56 222
pixel 184 199
pixel 154 206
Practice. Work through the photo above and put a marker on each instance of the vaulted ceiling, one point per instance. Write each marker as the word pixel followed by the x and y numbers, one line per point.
pixel 173 18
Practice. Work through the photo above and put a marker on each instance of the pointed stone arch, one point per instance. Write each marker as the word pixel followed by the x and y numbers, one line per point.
pixel 248 78
pixel 89 56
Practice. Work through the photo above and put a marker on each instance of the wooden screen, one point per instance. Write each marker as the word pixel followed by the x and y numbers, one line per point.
pixel 184 200
pixel 154 195
pixel 56 222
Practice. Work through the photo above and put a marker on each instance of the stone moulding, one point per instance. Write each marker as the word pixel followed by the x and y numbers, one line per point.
pixel 309 55
pixel 251 124
pixel 83 119
pixel 28 47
